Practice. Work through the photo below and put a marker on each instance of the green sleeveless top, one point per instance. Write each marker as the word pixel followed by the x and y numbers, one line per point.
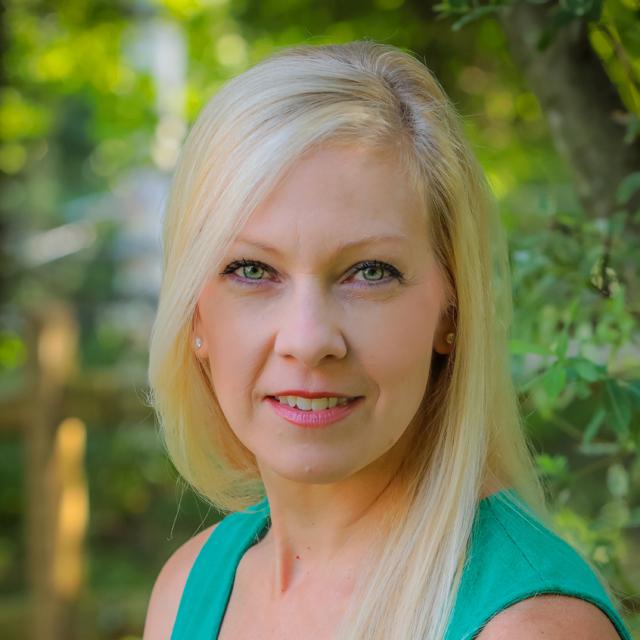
pixel 512 556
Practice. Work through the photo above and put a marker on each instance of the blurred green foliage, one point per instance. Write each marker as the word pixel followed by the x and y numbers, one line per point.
pixel 83 110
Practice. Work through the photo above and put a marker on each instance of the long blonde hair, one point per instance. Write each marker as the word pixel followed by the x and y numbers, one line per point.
pixel 468 428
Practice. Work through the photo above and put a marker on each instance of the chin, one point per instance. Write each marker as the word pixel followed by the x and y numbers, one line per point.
pixel 311 474
pixel 315 469
pixel 305 469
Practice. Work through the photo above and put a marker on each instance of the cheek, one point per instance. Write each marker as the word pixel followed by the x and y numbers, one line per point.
pixel 235 342
pixel 397 340
pixel 396 349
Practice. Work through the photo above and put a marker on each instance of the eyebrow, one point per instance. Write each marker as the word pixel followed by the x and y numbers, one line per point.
pixel 339 248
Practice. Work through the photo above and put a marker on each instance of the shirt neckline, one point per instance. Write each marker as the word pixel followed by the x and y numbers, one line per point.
pixel 262 508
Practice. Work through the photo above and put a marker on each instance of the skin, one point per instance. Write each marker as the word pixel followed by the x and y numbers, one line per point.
pixel 314 320
pixel 550 617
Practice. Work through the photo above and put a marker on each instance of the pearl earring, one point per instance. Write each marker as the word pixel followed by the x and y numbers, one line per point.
pixel 197 342
pixel 450 337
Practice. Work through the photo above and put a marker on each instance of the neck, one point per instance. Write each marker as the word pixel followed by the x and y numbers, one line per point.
pixel 326 531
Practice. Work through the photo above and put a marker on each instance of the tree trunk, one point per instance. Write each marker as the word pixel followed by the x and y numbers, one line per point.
pixel 56 495
pixel 580 103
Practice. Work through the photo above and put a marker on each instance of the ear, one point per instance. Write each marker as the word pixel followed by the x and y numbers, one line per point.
pixel 446 326
pixel 197 331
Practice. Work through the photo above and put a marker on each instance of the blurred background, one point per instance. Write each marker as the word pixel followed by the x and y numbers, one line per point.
pixel 96 98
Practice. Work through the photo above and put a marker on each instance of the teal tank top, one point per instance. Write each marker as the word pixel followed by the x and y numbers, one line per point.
pixel 512 556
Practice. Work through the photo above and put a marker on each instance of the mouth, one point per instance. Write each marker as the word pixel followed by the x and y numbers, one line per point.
pixel 314 418
pixel 349 400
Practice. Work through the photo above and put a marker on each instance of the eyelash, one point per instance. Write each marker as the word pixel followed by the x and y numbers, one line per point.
pixel 366 264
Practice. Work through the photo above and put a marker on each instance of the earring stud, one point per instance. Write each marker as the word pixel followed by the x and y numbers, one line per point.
pixel 450 337
pixel 197 342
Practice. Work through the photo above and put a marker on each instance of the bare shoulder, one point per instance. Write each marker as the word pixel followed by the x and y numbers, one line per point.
pixel 552 617
pixel 167 589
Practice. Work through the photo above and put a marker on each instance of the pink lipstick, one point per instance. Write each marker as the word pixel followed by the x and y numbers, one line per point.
pixel 312 418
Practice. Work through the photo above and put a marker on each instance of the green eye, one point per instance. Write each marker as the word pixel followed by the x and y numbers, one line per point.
pixel 249 267
pixel 373 268
pixel 245 265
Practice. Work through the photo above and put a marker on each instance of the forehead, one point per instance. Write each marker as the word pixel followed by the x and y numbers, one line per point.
pixel 338 197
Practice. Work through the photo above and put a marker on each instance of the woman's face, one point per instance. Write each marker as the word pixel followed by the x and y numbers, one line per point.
pixel 308 315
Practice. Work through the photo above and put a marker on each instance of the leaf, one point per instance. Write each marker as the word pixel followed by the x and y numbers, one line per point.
pixel 599 448
pixel 633 129
pixel 614 514
pixel 556 19
pixel 519 347
pixel 587 369
pixel 578 7
pixel 553 381
pixel 634 518
pixel 531 382
pixel 627 187
pixel 451 7
pixel 442 8
pixel 634 391
pixel 476 14
pixel 617 480
pixel 551 465
pixel 625 17
pixel 562 345
pixel 618 406
pixel 593 426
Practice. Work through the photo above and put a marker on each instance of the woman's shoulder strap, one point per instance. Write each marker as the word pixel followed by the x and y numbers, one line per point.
pixel 210 580
pixel 514 556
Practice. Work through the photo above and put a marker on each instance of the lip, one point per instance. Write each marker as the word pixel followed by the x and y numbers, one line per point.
pixel 311 394
pixel 313 419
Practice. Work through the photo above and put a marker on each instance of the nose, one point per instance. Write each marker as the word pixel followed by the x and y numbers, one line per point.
pixel 309 327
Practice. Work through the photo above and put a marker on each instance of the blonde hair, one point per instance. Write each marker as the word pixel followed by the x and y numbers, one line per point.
pixel 468 428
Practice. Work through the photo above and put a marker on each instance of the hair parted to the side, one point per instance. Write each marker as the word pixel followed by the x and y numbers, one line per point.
pixel 468 429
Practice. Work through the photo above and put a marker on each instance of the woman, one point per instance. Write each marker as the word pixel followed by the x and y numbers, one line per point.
pixel 329 365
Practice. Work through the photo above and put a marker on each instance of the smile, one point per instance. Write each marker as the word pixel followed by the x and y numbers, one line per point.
pixel 315 417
